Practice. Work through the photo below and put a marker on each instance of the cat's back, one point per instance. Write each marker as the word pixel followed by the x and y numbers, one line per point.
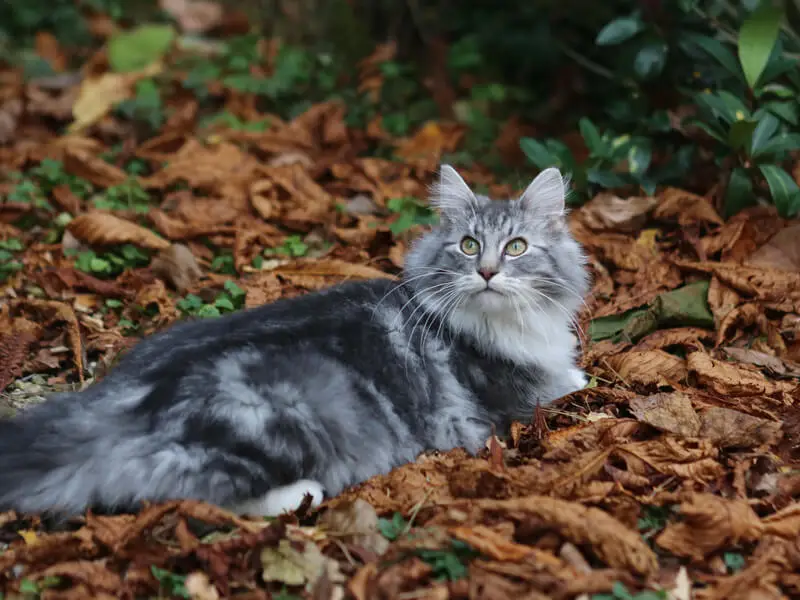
pixel 307 317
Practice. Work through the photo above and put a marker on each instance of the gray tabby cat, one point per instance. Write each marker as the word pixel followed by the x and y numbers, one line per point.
pixel 253 410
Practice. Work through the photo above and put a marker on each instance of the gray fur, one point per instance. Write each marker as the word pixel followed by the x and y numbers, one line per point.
pixel 333 387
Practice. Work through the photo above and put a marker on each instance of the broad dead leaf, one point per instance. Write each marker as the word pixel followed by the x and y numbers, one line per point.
pixel 178 266
pixel 104 229
pixel 733 429
pixel 672 412
pixel 708 524
pixel 647 367
pixel 355 522
pixel 781 252
pixel 607 211
pixel 687 208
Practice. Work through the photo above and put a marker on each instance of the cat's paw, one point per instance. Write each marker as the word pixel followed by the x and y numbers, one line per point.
pixel 577 378
pixel 283 499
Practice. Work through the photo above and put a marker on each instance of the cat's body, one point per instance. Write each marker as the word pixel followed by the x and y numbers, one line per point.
pixel 251 410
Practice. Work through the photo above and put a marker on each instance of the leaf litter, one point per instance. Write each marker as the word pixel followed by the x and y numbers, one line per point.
pixel 678 461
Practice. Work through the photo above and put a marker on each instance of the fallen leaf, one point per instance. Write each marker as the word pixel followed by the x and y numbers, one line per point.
pixel 672 412
pixel 687 208
pixel 193 16
pixel 708 524
pixel 731 380
pixel 177 266
pixel 771 363
pixel 293 563
pixel 104 229
pixel 199 587
pixel 733 429
pixel 607 211
pixel 355 522
pixel 781 252
pixel 648 367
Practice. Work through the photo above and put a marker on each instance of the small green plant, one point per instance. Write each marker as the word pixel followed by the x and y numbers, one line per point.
pixel 128 195
pixel 228 120
pixel 449 564
pixel 735 561
pixel 292 246
pixel 410 212
pixel 229 300
pixel 111 263
pixel 170 583
pixel 35 588
pixel 620 592
pixel 223 263
pixel 35 185
pixel 653 519
pixel 8 263
pixel 146 106
pixel 393 528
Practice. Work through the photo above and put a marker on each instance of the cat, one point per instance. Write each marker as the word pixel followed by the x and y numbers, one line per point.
pixel 254 410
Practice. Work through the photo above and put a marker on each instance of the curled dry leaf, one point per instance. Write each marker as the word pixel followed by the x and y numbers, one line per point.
pixel 731 380
pixel 607 211
pixel 710 523
pixel 355 522
pixel 648 367
pixel 731 428
pixel 177 265
pixel 672 412
pixel 87 165
pixel 688 208
pixel 771 363
pixel 610 540
pixel 781 252
pixel 103 229
pixel 293 563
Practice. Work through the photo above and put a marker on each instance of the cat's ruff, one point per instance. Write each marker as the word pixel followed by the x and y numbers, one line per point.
pixel 256 409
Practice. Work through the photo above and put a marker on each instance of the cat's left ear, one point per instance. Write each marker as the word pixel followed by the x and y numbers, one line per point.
pixel 451 194
pixel 546 194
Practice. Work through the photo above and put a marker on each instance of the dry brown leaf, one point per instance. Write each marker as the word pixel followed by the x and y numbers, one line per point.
pixel 688 208
pixel 490 543
pixel 429 143
pixel 709 524
pixel 781 252
pixel 355 522
pixel 733 429
pixel 648 367
pixel 671 412
pixel 193 16
pixel 199 587
pixel 669 455
pixel 607 211
pixel 612 542
pixel 729 379
pixel 10 113
pixel 770 362
pixel 177 266
pixel 104 229
pixel 84 164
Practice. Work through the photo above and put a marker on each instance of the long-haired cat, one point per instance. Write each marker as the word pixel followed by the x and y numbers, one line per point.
pixel 253 410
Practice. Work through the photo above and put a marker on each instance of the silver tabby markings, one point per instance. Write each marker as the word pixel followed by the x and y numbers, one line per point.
pixel 252 410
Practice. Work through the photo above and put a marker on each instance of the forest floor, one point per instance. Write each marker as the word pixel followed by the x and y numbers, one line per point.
pixel 674 474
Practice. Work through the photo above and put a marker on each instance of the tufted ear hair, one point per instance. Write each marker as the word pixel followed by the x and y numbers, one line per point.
pixel 452 196
pixel 546 194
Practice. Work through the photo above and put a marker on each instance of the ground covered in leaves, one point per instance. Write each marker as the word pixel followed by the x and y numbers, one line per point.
pixel 674 474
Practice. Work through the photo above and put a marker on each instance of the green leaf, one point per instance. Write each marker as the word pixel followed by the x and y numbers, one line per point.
pixel 734 561
pixel 619 30
pixel 650 59
pixel 783 142
pixel 591 136
pixel 170 582
pixel 784 110
pixel 740 134
pixel 767 126
pixel 639 156
pixel 605 178
pixel 684 307
pixel 756 39
pixel 739 193
pixel 716 50
pixel 629 326
pixel 136 49
pixel 783 189
pixel 537 153
pixel 393 528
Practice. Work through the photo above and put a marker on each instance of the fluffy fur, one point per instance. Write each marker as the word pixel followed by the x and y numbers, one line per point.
pixel 252 410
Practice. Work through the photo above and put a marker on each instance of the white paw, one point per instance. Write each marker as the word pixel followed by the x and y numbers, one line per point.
pixel 283 499
pixel 577 378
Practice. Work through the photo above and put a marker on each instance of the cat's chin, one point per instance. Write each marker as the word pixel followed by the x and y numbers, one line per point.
pixel 490 301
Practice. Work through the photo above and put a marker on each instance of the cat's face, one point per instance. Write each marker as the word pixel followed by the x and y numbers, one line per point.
pixel 500 258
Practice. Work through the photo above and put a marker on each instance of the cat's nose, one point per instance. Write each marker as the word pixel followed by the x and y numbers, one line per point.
pixel 487 274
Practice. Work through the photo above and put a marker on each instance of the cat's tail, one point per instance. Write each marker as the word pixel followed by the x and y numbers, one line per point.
pixel 45 462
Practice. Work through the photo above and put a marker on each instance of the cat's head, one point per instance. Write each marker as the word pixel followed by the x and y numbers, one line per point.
pixel 511 259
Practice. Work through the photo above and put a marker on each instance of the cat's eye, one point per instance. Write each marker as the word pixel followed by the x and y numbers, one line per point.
pixel 470 246
pixel 516 247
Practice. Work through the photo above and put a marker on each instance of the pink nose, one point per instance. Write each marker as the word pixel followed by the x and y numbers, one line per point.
pixel 487 274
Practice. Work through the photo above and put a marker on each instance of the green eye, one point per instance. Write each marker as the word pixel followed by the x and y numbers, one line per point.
pixel 516 247
pixel 470 246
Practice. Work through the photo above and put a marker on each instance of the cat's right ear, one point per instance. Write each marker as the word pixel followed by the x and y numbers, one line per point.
pixel 451 194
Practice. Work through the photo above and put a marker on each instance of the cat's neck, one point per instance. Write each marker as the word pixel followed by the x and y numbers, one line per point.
pixel 542 338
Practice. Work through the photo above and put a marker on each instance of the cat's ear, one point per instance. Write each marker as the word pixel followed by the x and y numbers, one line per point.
pixel 451 194
pixel 546 194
